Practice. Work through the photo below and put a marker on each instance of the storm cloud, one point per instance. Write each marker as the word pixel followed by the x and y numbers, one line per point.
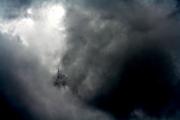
pixel 32 44
pixel 124 55
pixel 121 58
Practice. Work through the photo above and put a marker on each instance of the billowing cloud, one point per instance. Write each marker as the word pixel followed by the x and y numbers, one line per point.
pixel 116 54
pixel 32 45
pixel 40 29
pixel 109 40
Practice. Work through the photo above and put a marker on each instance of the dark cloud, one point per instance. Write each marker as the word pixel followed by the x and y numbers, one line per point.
pixel 143 82
pixel 121 55
pixel 26 92
pixel 122 59
pixel 12 8
pixel 12 92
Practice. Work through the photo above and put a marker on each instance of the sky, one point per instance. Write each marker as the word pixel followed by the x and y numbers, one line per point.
pixel 121 58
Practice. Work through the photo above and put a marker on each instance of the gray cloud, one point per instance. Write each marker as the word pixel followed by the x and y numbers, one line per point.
pixel 102 35
pixel 13 59
pixel 103 39
pixel 12 8
pixel 27 91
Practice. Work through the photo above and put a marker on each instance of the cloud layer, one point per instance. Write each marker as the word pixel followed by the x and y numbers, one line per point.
pixel 117 36
pixel 111 51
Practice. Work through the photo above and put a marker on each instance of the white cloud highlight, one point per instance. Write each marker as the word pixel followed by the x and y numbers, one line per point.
pixel 42 30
